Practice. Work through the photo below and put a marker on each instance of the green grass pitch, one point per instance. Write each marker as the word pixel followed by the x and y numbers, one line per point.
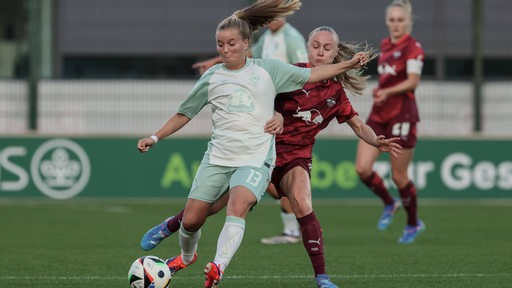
pixel 92 243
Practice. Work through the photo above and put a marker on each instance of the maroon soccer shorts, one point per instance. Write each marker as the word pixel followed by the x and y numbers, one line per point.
pixel 405 130
pixel 280 171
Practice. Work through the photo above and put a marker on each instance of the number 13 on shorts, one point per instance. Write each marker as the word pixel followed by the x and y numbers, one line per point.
pixel 254 178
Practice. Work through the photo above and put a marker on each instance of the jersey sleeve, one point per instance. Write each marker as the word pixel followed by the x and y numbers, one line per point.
pixel 346 111
pixel 197 98
pixel 415 58
pixel 286 77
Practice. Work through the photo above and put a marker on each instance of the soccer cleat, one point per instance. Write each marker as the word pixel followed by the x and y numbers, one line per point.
pixel 411 232
pixel 323 281
pixel 281 239
pixel 387 215
pixel 212 275
pixel 155 235
pixel 175 264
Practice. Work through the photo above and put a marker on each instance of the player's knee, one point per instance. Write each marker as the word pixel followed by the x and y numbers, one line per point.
pixel 400 179
pixel 190 226
pixel 363 172
pixel 302 207
pixel 240 207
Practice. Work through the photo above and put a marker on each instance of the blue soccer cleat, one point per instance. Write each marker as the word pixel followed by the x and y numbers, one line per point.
pixel 323 281
pixel 155 235
pixel 387 215
pixel 411 232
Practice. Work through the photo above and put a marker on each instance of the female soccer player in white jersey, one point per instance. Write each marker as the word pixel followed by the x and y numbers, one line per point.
pixel 280 41
pixel 240 155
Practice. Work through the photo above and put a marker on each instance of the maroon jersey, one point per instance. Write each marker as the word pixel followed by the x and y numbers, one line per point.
pixel 306 112
pixel 393 70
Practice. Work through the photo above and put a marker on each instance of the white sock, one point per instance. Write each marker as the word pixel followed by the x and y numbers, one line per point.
pixel 188 244
pixel 291 226
pixel 229 240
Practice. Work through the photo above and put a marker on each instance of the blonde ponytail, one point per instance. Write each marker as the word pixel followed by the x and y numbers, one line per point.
pixel 354 80
pixel 260 13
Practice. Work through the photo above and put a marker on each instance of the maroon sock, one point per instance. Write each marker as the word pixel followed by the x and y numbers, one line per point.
pixel 174 224
pixel 313 241
pixel 376 184
pixel 410 203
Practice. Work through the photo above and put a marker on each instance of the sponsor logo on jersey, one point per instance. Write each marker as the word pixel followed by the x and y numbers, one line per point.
pixel 330 102
pixel 385 68
pixel 241 101
pixel 312 116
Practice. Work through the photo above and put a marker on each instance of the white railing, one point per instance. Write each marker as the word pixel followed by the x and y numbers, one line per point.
pixel 139 107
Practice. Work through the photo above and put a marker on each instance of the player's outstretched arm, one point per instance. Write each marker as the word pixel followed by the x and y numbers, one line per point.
pixel 175 123
pixel 367 134
pixel 324 72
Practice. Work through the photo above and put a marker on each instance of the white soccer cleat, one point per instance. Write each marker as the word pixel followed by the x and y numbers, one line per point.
pixel 281 239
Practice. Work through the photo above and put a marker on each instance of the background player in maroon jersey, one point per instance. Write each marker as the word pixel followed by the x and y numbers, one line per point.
pixel 306 112
pixel 394 114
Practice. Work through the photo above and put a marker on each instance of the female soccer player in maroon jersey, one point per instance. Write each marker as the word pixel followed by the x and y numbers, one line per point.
pixel 306 112
pixel 394 114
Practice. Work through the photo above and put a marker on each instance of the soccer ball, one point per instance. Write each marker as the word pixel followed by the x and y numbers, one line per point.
pixel 149 272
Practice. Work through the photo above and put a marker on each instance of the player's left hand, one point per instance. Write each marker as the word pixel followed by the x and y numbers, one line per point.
pixel 389 145
pixel 379 96
pixel 275 124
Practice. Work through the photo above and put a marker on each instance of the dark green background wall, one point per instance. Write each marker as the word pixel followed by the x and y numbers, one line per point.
pixel 112 167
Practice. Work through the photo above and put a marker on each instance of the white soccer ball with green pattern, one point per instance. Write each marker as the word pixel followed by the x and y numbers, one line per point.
pixel 149 272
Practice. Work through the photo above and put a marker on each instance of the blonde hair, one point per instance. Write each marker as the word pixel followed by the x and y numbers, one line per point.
pixel 260 13
pixel 352 80
pixel 406 5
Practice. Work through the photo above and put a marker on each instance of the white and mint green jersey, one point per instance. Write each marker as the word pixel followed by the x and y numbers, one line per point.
pixel 242 101
pixel 286 44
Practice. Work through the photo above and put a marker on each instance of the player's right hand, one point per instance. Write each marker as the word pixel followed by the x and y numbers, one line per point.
pixel 144 144
pixel 360 59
